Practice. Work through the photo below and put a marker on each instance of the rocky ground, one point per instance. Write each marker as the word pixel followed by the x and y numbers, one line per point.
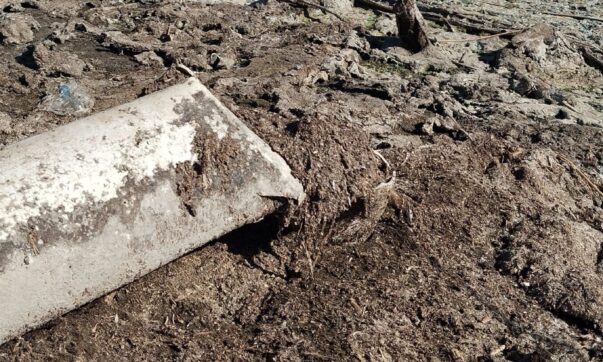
pixel 455 199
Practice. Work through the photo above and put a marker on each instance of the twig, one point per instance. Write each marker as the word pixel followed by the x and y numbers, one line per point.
pixel 387 165
pixel 186 70
pixel 320 7
pixel 509 32
pixel 575 16
pixel 450 27
pixel 569 106
pixel 582 174
pixel 462 65
pixel 476 17
pixel 438 18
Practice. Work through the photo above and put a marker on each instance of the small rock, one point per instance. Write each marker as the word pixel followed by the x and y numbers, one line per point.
pixel 62 32
pixel 344 63
pixel 118 41
pixel 149 59
pixel 31 4
pixel 58 62
pixel 535 49
pixel 533 87
pixel 535 41
pixel 544 32
pixel 221 61
pixel 196 61
pixel 13 8
pixel 354 41
pixel 316 77
pixel 386 26
pixel 339 6
pixel 180 24
pixel 17 28
pixel 426 128
pixel 444 125
pixel 19 6
pixel 320 77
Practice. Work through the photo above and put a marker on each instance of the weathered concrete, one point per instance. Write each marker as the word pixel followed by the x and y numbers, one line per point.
pixel 94 204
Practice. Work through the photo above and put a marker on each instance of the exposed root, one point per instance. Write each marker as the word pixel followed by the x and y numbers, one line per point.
pixel 509 32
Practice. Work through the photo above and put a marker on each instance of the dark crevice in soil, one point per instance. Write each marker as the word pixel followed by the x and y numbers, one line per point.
pixel 489 58
pixel 580 323
pixel 250 240
pixel 26 58
pixel 356 209
pixel 383 42
pixel 168 59
pixel 254 239
pixel 600 255
pixel 376 92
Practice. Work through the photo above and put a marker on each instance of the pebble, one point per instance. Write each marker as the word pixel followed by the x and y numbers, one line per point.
pixel 220 61
pixel 148 59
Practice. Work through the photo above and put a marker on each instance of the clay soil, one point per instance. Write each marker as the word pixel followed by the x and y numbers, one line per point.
pixel 455 199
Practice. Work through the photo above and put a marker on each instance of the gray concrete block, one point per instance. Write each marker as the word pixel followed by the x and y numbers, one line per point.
pixel 94 204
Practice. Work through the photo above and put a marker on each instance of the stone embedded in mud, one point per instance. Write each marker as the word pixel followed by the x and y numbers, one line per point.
pixel 339 6
pixel 386 26
pixel 149 59
pixel 544 32
pixel 120 193
pixel 535 41
pixel 17 28
pixel 221 61
pixel 354 41
pixel 118 41
pixel 55 62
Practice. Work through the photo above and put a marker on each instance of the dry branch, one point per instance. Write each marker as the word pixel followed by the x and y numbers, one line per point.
pixel 510 32
pixel 582 174
pixel 574 16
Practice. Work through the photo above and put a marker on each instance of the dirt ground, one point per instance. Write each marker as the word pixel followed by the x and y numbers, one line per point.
pixel 455 196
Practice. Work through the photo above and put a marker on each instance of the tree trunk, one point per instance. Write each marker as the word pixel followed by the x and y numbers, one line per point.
pixel 411 26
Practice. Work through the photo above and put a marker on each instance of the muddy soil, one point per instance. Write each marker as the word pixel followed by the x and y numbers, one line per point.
pixel 455 199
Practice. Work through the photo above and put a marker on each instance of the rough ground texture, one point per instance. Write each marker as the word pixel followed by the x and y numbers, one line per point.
pixel 455 201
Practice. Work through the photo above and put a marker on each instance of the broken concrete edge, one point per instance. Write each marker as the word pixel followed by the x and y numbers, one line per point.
pixel 97 203
pixel 160 143
pixel 290 188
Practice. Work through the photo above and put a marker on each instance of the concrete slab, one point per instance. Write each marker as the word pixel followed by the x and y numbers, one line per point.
pixel 92 205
